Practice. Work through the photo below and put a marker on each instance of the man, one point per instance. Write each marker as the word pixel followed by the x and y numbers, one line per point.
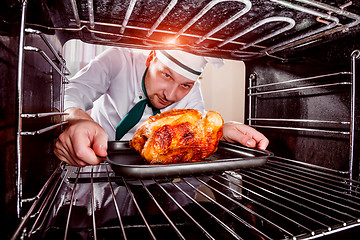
pixel 120 80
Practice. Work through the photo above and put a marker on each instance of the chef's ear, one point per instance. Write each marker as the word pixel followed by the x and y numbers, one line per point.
pixel 151 56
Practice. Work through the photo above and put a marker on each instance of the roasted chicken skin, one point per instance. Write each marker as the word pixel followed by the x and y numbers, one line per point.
pixel 178 135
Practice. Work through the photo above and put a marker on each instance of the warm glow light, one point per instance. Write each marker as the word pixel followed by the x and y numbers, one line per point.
pixel 171 41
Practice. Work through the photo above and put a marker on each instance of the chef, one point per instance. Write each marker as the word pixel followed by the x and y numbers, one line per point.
pixel 123 88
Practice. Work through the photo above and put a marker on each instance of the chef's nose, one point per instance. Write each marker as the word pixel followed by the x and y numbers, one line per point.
pixel 170 92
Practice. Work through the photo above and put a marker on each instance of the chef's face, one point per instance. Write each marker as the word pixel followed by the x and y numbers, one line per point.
pixel 165 86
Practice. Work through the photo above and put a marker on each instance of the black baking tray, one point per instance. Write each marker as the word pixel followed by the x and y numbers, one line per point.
pixel 126 162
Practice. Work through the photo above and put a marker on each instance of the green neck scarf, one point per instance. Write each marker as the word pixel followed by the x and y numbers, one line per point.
pixel 135 114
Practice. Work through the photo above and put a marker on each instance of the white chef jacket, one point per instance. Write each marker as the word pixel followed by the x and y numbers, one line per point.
pixel 111 84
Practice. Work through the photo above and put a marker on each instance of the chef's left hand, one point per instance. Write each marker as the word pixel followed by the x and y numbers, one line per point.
pixel 244 134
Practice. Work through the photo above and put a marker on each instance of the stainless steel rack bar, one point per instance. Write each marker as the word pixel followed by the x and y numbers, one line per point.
pixel 71 206
pixel 46 205
pixel 314 130
pixel 301 79
pixel 316 34
pixel 20 101
pixel 48 59
pixel 161 17
pixel 203 230
pixel 309 35
pixel 224 24
pixel 321 183
pixel 116 206
pixel 60 59
pixel 240 205
pixel 151 233
pixel 299 120
pixel 290 24
pixel 332 9
pixel 92 204
pixel 40 115
pixel 211 215
pixel 283 199
pixel 43 130
pixel 354 163
pixel 262 205
pixel 39 200
pixel 173 226
pixel 297 184
pixel 299 88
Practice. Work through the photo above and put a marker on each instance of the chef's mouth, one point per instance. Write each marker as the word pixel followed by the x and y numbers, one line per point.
pixel 163 102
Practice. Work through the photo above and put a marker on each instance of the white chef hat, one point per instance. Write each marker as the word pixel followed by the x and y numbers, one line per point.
pixel 188 65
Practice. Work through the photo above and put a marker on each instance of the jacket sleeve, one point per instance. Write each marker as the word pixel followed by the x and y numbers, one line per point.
pixel 90 82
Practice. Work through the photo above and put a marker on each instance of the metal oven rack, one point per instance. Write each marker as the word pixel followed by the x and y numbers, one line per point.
pixel 256 91
pixel 331 25
pixel 63 71
pixel 89 29
pixel 86 24
pixel 284 199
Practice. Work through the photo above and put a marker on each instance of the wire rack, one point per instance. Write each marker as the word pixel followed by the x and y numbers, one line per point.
pixel 239 29
pixel 284 199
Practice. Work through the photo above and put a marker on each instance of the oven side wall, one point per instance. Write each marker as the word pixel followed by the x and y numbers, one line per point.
pixel 8 66
pixel 327 103
pixel 41 94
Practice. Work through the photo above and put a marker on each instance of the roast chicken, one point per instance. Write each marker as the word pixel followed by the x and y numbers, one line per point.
pixel 177 136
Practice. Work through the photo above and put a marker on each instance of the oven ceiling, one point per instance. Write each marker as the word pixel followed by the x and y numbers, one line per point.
pixel 239 29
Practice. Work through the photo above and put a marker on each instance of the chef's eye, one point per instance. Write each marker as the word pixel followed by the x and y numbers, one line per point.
pixel 186 86
pixel 166 75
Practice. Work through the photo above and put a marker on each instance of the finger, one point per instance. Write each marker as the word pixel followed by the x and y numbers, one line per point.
pixel 72 155
pixel 242 136
pixel 261 141
pixel 251 143
pixel 82 149
pixel 244 139
pixel 64 143
pixel 81 163
pixel 63 155
pixel 100 144
pixel 263 144
pixel 59 152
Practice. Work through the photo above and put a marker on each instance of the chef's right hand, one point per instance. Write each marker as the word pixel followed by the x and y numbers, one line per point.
pixel 244 134
pixel 83 142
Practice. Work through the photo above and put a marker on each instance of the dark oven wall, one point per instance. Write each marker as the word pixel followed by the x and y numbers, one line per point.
pixel 8 66
pixel 329 103
pixel 40 94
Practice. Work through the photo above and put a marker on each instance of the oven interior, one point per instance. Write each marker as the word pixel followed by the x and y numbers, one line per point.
pixel 301 60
